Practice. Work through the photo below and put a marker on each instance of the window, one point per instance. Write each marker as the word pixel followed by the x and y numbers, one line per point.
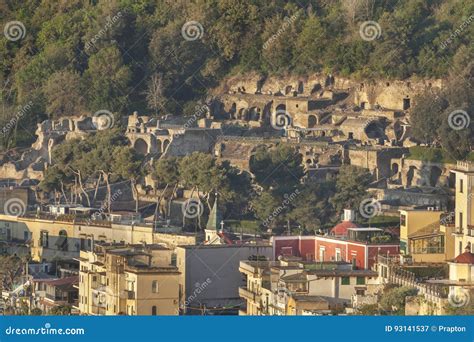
pixel 44 239
pixel 338 254
pixel 461 186
pixel 360 281
pixel 173 259
pixel 154 286
pixel 403 220
pixel 322 253
pixel 460 225
pixel 154 310
pixel 345 281
pixel 26 236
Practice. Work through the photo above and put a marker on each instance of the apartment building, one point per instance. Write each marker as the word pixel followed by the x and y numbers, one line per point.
pixel 464 212
pixel 120 279
pixel 359 245
pixel 289 287
pixel 50 237
pixel 210 277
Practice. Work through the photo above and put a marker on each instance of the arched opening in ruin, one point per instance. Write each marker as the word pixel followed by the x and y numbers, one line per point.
pixel 158 145
pixel 406 103
pixel 141 146
pixel 435 174
pixel 316 88
pixel 395 169
pixel 243 113
pixel 254 113
pixel 411 175
pixel 363 105
pixel 165 145
pixel 232 111
pixel 288 90
pixel 374 131
pixel 312 121
pixel 300 87
pixel 281 108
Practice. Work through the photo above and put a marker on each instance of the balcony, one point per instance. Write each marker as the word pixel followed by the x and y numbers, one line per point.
pixel 246 294
pixel 458 231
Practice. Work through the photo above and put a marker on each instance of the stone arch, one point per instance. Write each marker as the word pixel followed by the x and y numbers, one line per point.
pixel 233 111
pixel 312 121
pixel 395 168
pixel 280 107
pixel 158 145
pixel 373 130
pixel 412 170
pixel 141 146
pixel 300 87
pixel 435 174
pixel 166 142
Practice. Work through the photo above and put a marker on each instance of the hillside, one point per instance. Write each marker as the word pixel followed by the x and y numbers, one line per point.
pixel 68 58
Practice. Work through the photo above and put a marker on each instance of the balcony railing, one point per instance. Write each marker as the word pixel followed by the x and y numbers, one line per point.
pixel 245 293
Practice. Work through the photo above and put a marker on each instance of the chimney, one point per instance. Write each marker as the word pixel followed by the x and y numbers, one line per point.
pixel 349 215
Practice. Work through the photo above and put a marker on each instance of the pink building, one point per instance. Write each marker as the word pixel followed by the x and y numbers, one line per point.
pixel 359 245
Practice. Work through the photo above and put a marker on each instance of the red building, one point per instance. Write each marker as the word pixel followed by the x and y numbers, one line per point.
pixel 359 245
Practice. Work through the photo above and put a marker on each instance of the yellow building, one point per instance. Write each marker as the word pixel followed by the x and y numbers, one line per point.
pixel 118 279
pixel 426 235
pixel 53 238
pixel 464 213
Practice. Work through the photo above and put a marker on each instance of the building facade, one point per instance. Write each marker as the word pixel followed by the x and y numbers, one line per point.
pixel 117 279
